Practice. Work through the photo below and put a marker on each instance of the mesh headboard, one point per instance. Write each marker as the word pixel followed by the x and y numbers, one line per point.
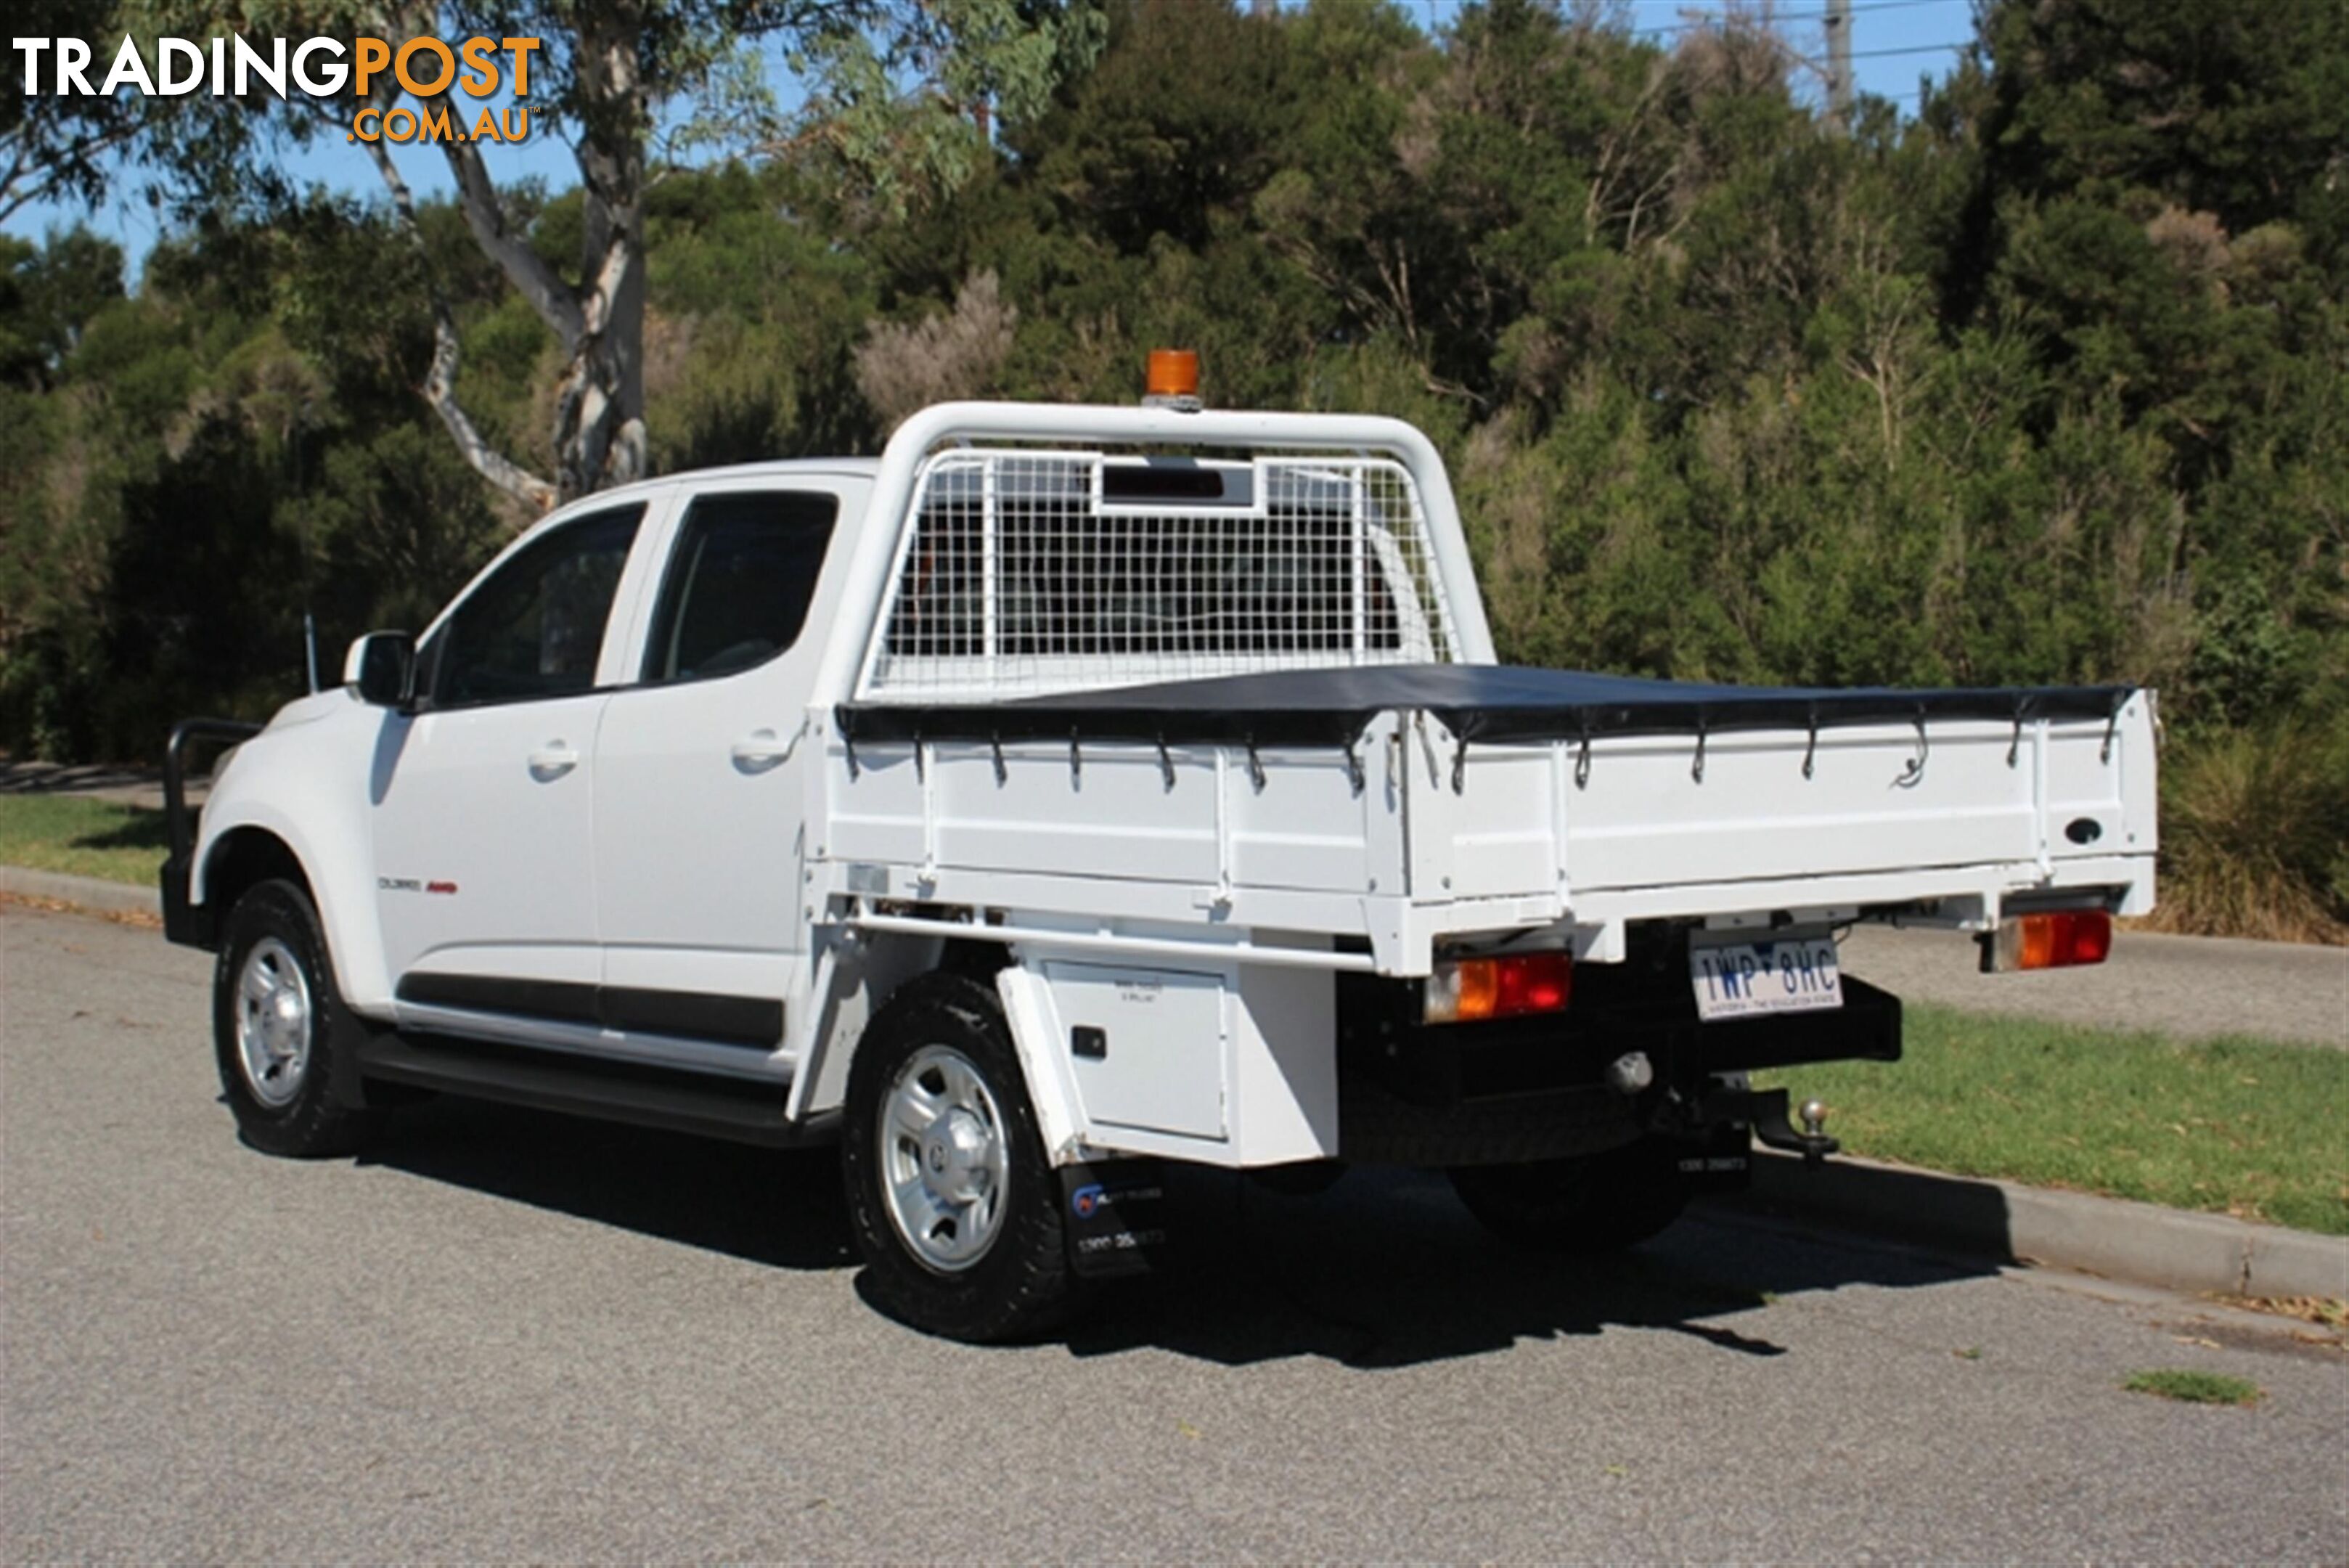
pixel 1031 572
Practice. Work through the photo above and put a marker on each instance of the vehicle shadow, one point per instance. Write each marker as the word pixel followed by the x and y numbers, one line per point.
pixel 139 828
pixel 782 1207
pixel 1385 1269
pixel 1388 1269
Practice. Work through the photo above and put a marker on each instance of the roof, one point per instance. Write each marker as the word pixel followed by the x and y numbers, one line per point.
pixel 769 468
pixel 782 468
pixel 773 468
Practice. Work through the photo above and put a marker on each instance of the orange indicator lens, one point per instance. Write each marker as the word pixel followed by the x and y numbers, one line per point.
pixel 2036 947
pixel 1480 989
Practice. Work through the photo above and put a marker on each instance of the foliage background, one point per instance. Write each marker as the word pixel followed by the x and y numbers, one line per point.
pixel 2048 382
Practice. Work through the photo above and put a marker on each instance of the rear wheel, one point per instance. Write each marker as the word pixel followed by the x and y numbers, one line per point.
pixel 1590 1203
pixel 951 1197
pixel 278 1024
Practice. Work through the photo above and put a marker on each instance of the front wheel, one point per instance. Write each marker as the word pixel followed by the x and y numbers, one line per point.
pixel 1590 1203
pixel 951 1197
pixel 278 1022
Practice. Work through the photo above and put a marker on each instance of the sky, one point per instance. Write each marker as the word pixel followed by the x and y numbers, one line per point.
pixel 1894 43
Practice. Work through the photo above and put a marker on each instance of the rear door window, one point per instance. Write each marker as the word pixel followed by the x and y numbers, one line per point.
pixel 740 578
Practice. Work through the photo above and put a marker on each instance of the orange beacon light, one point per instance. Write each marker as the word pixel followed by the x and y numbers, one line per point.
pixel 1174 379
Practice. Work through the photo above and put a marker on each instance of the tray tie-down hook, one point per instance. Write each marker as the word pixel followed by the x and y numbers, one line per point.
pixel 1582 763
pixel 921 764
pixel 1165 761
pixel 848 751
pixel 1353 767
pixel 1914 768
pixel 1460 764
pixel 2112 726
pixel 2014 742
pixel 994 743
pixel 1076 757
pixel 1696 769
pixel 1256 765
pixel 1811 751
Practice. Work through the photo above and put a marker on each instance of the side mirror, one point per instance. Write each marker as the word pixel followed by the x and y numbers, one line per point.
pixel 382 666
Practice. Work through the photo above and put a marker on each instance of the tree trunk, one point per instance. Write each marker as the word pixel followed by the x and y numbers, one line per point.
pixel 598 435
pixel 601 437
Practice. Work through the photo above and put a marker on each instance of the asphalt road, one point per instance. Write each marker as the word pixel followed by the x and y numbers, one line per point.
pixel 504 1336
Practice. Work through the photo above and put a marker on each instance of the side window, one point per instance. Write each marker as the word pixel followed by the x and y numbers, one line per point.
pixel 740 580
pixel 535 627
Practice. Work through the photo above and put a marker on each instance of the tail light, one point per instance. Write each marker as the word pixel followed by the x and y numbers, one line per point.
pixel 2059 938
pixel 1468 990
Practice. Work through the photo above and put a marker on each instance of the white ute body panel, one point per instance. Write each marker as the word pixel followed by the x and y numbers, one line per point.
pixel 721 838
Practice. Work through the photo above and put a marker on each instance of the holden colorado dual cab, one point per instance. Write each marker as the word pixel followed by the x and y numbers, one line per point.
pixel 1076 789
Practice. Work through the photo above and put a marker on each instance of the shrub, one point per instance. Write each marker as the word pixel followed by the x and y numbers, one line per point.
pixel 2255 831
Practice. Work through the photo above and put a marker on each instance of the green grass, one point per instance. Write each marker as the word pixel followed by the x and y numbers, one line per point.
pixel 2194 1387
pixel 2241 1127
pixel 86 837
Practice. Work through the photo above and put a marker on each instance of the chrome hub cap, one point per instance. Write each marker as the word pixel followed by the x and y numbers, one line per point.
pixel 945 1160
pixel 272 1022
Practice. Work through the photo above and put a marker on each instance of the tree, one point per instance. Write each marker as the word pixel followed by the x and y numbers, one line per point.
pixel 47 295
pixel 899 96
pixel 53 144
pixel 2238 110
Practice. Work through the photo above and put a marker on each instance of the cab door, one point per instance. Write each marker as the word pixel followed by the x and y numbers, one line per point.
pixel 483 797
pixel 700 770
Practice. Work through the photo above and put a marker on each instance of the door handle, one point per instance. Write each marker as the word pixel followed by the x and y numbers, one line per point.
pixel 760 749
pixel 551 760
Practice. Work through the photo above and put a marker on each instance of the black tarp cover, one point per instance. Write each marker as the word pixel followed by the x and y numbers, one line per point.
pixel 1487 703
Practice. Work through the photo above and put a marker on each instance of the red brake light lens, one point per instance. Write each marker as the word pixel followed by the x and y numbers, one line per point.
pixel 1469 991
pixel 2090 935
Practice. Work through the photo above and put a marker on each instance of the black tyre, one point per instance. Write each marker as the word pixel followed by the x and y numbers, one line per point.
pixel 277 1025
pixel 954 1206
pixel 1592 1203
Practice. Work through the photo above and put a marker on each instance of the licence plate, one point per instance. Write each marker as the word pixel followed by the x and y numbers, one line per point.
pixel 1739 980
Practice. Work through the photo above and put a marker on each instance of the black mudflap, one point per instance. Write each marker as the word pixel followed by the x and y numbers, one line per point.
pixel 1115 1213
pixel 1720 1161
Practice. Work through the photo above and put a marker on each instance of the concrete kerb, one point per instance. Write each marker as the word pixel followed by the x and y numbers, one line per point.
pixel 2140 1243
pixel 88 893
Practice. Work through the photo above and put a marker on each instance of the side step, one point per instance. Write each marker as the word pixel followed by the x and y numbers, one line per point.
pixel 694 1103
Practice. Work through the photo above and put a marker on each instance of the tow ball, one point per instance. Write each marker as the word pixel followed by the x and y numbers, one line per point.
pixel 1765 1111
pixel 1811 1143
pixel 1816 1145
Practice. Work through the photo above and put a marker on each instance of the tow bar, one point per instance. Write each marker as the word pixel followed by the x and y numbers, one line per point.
pixel 1764 1110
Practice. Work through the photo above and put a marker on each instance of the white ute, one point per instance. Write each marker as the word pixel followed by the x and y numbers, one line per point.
pixel 1074 789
